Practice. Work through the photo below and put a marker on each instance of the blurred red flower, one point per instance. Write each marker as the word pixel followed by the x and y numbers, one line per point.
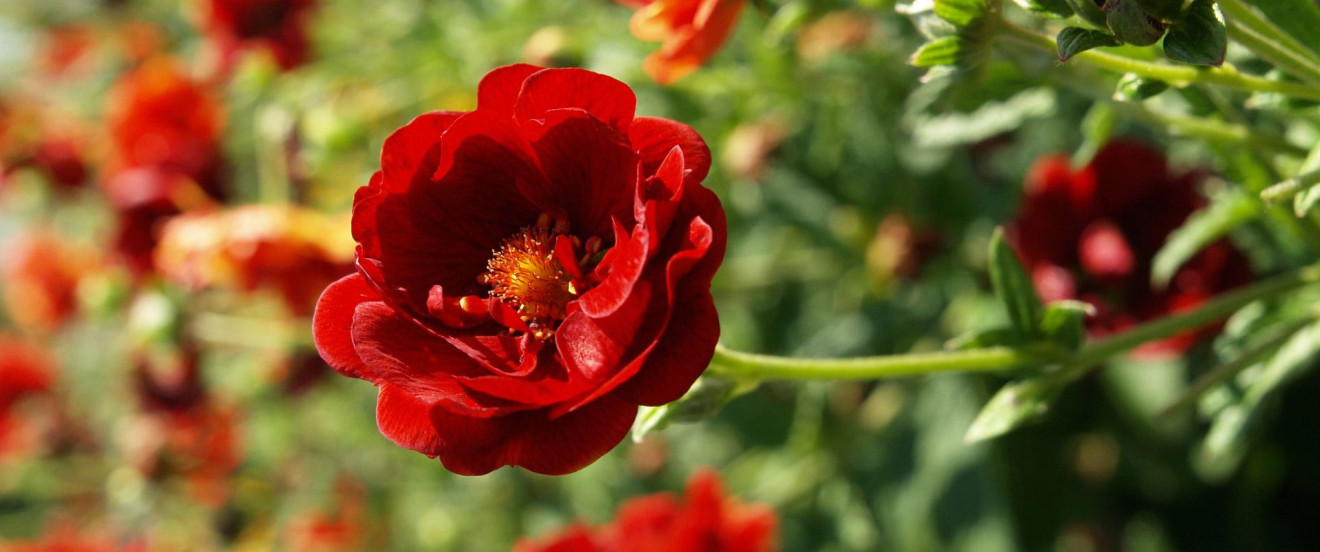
pixel 691 32
pixel 35 136
pixel 26 371
pixel 165 130
pixel 344 530
pixel 292 250
pixel 529 273
pixel 1091 234
pixel 40 273
pixel 705 521
pixel 277 25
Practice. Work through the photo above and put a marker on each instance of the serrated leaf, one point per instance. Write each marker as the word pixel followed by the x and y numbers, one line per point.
pixel 1064 323
pixel 1015 404
pixel 1130 24
pixel 941 51
pixel 961 13
pixel 1199 37
pixel 1202 228
pixel 1089 11
pixel 1299 18
pixel 1075 40
pixel 1013 286
pixel 1051 9
pixel 1133 87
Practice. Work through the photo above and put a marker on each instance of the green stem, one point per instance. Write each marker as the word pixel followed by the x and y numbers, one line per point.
pixel 1229 369
pixel 735 364
pixel 1249 18
pixel 1289 61
pixel 1291 187
pixel 1176 75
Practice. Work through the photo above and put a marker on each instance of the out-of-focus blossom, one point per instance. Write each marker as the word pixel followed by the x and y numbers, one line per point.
pixel 65 47
pixel 165 131
pixel 62 538
pixel 529 273
pixel 40 272
pixel 26 372
pixel 182 432
pixel 704 521
pixel 838 31
pixel 691 31
pixel 160 117
pixel 34 137
pixel 342 530
pixel 279 26
pixel 898 250
pixel 1091 234
pixel 748 147
pixel 547 47
pixel 295 251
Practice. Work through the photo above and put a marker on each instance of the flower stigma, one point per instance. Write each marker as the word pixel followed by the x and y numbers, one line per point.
pixel 524 274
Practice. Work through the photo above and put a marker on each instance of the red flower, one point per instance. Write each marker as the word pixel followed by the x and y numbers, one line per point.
pixel 691 31
pixel 706 521
pixel 165 131
pixel 40 273
pixel 1091 234
pixel 278 25
pixel 529 273
pixel 25 372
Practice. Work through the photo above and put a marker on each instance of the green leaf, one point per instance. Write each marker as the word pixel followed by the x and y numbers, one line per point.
pixel 1051 9
pixel 1226 212
pixel 1075 40
pixel 1132 87
pixel 1299 18
pixel 1089 11
pixel 704 399
pixel 1162 9
pixel 1013 286
pixel 1130 23
pixel 941 51
pixel 980 339
pixel 961 13
pixel 1305 179
pixel 1015 404
pixel 1199 37
pixel 1064 323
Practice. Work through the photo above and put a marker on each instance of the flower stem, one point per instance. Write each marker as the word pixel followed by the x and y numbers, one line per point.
pixel 735 364
pixel 1176 75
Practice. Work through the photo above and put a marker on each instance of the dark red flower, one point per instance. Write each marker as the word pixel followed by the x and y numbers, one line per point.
pixel 691 31
pixel 529 273
pixel 705 521
pixel 277 25
pixel 1092 233
pixel 25 372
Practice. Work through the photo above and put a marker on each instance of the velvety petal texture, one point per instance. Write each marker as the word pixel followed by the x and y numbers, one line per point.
pixel 529 273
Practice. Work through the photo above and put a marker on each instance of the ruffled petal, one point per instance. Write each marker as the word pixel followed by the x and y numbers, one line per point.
pixel 332 324
pixel 406 420
pixel 653 137
pixel 498 91
pixel 542 445
pixel 605 98
pixel 591 170
pixel 413 148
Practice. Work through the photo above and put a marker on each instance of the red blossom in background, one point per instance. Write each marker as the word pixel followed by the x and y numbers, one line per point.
pixel 40 272
pixel 529 273
pixel 165 134
pixel 25 372
pixel 1091 234
pixel 691 31
pixel 279 26
pixel 704 521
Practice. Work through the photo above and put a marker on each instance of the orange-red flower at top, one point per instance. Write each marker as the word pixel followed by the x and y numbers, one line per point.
pixel 691 31
pixel 705 521
pixel 529 273
pixel 277 25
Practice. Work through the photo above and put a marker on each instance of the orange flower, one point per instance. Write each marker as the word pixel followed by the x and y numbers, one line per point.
pixel 40 274
pixel 691 32
pixel 288 249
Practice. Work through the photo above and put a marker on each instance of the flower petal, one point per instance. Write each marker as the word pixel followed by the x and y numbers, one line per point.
pixel 498 91
pixel 653 137
pixel 406 420
pixel 605 98
pixel 333 321
pixel 591 170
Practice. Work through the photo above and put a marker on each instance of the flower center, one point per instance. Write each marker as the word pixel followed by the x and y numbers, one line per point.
pixel 524 274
